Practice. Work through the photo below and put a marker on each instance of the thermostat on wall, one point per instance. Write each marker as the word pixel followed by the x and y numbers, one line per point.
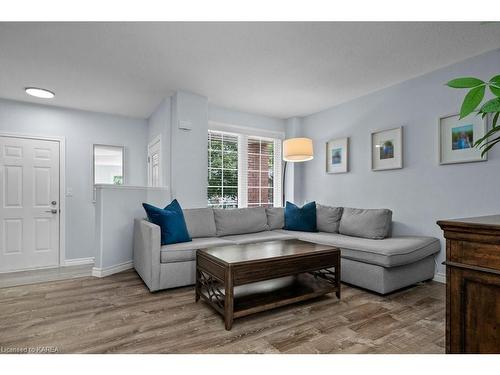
pixel 185 125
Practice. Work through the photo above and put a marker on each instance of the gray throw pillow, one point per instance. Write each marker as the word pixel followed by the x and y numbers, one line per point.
pixel 240 221
pixel 366 223
pixel 200 222
pixel 328 218
pixel 275 217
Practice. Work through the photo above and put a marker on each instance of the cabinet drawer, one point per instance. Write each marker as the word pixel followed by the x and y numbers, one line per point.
pixel 475 254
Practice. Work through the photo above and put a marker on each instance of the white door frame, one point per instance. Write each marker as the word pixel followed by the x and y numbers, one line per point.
pixel 62 185
pixel 155 140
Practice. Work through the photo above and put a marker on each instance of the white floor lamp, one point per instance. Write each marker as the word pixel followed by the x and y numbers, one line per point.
pixel 295 150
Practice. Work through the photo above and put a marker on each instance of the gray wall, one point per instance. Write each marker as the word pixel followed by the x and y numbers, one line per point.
pixel 159 123
pixel 251 120
pixel 188 154
pixel 81 130
pixel 423 191
pixel 185 152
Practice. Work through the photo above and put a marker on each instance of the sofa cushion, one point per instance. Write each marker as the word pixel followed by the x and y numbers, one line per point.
pixel 183 252
pixel 389 252
pixel 200 222
pixel 171 222
pixel 241 239
pixel 328 218
pixel 301 218
pixel 275 217
pixel 366 223
pixel 240 221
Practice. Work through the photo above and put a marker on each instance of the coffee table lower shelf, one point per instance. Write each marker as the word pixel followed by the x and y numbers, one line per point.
pixel 265 295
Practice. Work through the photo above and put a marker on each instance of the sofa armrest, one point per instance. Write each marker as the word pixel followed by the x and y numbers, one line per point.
pixel 147 239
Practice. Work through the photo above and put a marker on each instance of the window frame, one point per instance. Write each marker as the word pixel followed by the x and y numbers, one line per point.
pixel 242 151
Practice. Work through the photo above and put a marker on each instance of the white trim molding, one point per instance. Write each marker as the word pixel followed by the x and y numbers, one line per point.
pixel 42 275
pixel 246 130
pixel 79 261
pixel 440 278
pixel 107 271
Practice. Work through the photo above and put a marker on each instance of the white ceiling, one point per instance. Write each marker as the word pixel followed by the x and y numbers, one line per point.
pixel 276 69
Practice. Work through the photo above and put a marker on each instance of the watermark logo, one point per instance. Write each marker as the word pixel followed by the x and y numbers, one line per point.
pixel 29 350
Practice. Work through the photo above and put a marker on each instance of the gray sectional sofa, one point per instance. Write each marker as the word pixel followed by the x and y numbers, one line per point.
pixel 371 257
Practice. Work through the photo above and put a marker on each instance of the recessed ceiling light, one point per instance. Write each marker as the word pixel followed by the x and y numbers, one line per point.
pixel 39 93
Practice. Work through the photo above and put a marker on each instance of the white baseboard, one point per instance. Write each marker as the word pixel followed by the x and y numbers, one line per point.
pixel 42 275
pixel 79 261
pixel 440 278
pixel 106 271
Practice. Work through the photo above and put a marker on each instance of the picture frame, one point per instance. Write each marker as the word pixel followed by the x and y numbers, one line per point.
pixel 387 149
pixel 337 155
pixel 457 136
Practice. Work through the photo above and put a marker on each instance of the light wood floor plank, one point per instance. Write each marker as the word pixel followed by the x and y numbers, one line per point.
pixel 117 314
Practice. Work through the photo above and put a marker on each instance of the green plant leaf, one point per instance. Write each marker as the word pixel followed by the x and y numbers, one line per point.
pixel 494 142
pixel 490 106
pixel 495 79
pixel 471 101
pixel 488 134
pixel 487 142
pixel 495 119
pixel 464 83
pixel 495 89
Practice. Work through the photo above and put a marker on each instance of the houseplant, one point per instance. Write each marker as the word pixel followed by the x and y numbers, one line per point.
pixel 472 101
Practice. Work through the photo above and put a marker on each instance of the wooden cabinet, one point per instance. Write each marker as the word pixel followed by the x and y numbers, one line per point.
pixel 472 284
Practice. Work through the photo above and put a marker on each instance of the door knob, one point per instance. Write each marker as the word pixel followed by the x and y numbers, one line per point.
pixel 53 211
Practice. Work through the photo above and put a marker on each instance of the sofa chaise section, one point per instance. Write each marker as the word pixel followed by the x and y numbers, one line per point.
pixel 388 252
pixel 381 265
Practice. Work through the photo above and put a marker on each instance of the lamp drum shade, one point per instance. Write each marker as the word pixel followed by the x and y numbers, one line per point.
pixel 297 149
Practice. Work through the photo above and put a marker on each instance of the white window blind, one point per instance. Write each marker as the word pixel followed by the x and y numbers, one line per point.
pixel 243 170
pixel 222 170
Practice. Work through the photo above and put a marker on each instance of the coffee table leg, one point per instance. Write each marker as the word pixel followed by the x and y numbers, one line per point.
pixel 197 289
pixel 337 277
pixel 229 300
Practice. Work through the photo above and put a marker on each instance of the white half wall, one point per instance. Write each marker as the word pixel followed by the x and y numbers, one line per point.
pixel 423 191
pixel 116 209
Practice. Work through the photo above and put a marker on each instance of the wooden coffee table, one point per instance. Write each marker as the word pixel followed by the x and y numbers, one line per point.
pixel 239 280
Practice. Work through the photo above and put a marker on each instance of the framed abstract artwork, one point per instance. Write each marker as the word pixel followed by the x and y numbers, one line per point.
pixel 387 149
pixel 457 137
pixel 337 155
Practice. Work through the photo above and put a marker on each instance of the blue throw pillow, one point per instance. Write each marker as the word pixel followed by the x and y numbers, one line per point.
pixel 301 218
pixel 171 221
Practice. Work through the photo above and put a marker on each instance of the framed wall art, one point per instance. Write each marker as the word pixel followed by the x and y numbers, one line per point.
pixel 387 149
pixel 457 137
pixel 337 155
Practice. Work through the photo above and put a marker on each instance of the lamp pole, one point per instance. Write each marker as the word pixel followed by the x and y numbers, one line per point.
pixel 284 185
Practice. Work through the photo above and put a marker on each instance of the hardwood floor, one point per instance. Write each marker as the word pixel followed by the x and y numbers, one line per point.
pixel 117 314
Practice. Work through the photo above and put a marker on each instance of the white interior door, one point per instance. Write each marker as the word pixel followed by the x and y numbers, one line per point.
pixel 29 195
pixel 154 163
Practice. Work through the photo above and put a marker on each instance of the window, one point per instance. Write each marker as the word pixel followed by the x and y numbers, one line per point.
pixel 222 170
pixel 243 170
pixel 108 164
pixel 260 172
